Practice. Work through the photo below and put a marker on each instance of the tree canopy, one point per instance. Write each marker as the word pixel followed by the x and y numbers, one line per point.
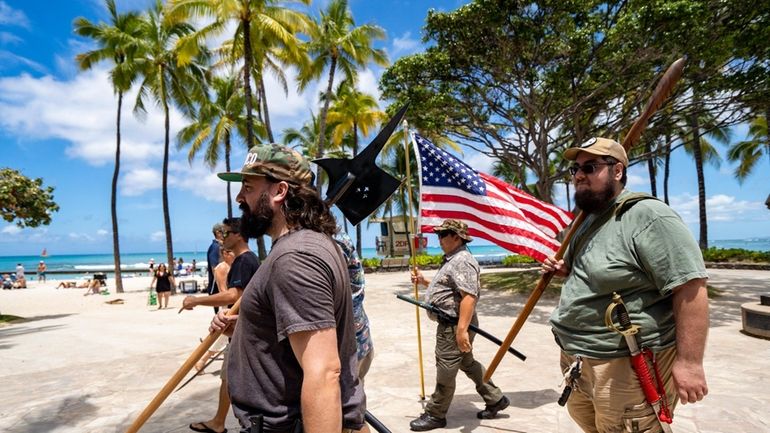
pixel 25 200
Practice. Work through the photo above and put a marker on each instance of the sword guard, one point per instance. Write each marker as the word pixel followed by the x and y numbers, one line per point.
pixel 626 328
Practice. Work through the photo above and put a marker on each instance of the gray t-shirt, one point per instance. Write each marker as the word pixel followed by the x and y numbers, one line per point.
pixel 643 255
pixel 459 273
pixel 302 285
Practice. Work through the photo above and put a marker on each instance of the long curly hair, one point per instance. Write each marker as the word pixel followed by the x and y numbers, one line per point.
pixel 304 208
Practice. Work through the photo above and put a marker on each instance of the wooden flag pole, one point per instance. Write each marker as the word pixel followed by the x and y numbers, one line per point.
pixel 180 374
pixel 413 259
pixel 662 91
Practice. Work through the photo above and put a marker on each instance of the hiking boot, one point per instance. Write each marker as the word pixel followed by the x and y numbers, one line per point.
pixel 491 410
pixel 427 422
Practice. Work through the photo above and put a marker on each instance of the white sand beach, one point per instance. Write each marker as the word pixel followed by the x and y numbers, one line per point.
pixel 79 364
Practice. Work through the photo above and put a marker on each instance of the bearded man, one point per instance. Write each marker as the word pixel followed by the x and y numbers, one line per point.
pixel 292 363
pixel 634 245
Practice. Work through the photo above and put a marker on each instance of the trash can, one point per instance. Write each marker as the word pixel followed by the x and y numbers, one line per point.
pixel 189 286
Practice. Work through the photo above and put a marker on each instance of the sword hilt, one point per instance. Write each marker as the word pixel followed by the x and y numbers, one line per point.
pixel 617 306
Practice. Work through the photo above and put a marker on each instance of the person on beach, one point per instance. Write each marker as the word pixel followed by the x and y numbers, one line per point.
pixel 7 282
pixel 74 284
pixel 635 245
pixel 245 264
pixel 293 356
pixel 226 257
pixel 19 271
pixel 213 260
pixel 164 283
pixel 455 290
pixel 152 266
pixel 41 268
pixel 93 285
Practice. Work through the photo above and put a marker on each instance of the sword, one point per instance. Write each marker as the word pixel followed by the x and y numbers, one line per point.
pixel 638 361
pixel 453 320
pixel 200 372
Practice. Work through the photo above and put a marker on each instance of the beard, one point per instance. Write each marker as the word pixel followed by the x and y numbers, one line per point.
pixel 256 223
pixel 593 202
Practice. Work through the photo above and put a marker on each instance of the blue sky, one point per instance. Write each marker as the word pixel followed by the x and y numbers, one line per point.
pixel 58 123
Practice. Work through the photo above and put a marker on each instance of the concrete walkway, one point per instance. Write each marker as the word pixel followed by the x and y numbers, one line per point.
pixel 85 366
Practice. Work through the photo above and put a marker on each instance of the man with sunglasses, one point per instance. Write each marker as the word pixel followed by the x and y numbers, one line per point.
pixel 635 245
pixel 244 266
pixel 455 290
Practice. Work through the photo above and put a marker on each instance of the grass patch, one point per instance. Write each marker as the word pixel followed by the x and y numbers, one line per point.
pixel 7 318
pixel 523 282
pixel 713 292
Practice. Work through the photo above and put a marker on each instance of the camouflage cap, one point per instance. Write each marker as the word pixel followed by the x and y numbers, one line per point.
pixel 600 147
pixel 456 226
pixel 273 160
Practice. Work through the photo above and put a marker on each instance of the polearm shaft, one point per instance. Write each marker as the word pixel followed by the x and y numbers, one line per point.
pixel 168 388
pixel 662 91
pixel 453 320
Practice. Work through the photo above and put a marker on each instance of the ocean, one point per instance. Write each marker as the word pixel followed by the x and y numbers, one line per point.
pixel 136 264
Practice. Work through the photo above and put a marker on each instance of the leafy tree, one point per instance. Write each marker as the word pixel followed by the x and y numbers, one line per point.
pixel 167 80
pixel 115 44
pixel 25 200
pixel 335 42
pixel 749 152
pixel 215 123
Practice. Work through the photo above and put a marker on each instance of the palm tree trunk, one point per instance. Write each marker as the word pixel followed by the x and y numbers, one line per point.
pixel 697 154
pixel 667 167
pixel 651 168
pixel 265 112
pixel 227 168
pixel 322 121
pixel 247 77
pixel 114 204
pixel 166 216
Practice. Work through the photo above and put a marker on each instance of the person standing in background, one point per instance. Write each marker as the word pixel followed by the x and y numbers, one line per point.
pixel 41 268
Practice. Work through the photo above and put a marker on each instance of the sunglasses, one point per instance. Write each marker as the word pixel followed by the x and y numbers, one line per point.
pixel 443 234
pixel 587 168
pixel 226 233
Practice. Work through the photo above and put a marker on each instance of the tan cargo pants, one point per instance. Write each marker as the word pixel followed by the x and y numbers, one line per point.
pixel 607 397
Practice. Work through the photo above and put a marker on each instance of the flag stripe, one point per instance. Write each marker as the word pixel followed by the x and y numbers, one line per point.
pixel 493 210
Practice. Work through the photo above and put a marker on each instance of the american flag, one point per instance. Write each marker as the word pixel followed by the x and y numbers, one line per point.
pixel 493 210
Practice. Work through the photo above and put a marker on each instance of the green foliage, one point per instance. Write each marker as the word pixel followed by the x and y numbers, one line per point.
pixel 522 282
pixel 714 254
pixel 25 200
pixel 511 260
pixel 7 318
pixel 426 260
pixel 371 263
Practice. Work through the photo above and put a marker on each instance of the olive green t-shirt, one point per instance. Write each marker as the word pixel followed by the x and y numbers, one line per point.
pixel 642 253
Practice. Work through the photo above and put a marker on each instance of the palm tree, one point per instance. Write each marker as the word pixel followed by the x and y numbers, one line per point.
pixel 217 120
pixel 168 82
pixel 749 152
pixel 114 41
pixel 353 111
pixel 335 42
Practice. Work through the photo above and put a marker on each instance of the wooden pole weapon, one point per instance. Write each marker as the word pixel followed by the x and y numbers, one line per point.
pixel 168 388
pixel 411 256
pixel 661 93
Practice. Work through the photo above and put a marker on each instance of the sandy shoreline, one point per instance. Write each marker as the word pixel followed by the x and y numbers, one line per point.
pixel 78 364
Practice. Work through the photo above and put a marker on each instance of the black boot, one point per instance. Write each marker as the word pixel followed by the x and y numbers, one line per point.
pixel 491 410
pixel 427 422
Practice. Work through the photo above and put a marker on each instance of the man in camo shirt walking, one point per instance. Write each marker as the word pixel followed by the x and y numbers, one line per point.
pixel 455 290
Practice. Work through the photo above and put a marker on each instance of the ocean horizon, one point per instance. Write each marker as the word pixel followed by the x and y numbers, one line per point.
pixel 72 266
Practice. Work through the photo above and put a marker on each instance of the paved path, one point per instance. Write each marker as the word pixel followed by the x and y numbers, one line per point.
pixel 86 366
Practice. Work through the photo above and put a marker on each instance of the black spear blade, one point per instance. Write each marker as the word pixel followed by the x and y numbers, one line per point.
pixel 370 185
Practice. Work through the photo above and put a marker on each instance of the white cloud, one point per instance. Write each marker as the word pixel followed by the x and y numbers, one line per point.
pixel 137 181
pixel 719 207
pixel 80 236
pixel 81 111
pixel 635 180
pixel 479 161
pixel 11 230
pixel 158 236
pixel 404 45
pixel 201 181
pixel 7 38
pixel 292 104
pixel 12 17
pixel 367 83
pixel 102 232
pixel 9 60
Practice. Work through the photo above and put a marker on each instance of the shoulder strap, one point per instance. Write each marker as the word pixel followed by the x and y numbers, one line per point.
pixel 616 210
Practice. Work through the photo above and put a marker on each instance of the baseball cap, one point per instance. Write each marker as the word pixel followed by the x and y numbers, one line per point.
pixel 459 227
pixel 600 147
pixel 273 160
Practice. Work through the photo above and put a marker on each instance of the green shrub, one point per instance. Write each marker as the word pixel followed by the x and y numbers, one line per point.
pixel 371 263
pixel 512 260
pixel 714 254
pixel 425 260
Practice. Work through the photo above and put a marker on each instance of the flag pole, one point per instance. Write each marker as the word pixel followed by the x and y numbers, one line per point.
pixel 661 92
pixel 413 259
